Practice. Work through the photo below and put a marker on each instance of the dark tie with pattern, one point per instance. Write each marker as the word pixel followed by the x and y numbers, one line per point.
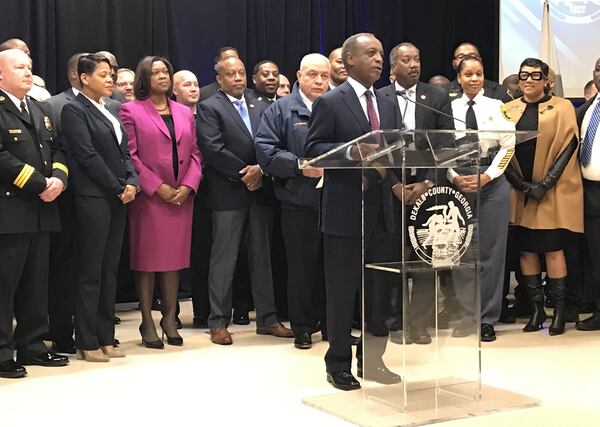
pixel 24 111
pixel 590 135
pixel 373 119
pixel 471 120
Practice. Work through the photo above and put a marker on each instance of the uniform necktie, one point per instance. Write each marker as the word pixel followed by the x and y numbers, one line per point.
pixel 373 119
pixel 241 107
pixel 471 120
pixel 24 111
pixel 590 134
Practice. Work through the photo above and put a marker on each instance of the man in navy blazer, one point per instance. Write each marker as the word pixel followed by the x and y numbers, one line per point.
pixel 341 115
pixel 234 189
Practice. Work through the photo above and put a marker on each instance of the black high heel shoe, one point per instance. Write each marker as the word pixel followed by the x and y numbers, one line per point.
pixel 158 344
pixel 175 340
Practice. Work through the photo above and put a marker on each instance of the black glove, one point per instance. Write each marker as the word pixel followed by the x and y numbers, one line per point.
pixel 538 190
pixel 517 180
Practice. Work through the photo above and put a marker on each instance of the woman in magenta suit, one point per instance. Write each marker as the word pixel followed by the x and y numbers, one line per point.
pixel 162 143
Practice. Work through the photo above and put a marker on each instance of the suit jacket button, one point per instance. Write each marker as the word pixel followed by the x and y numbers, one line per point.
pixel 41 146
pixel 8 193
pixel 16 139
pixel 45 162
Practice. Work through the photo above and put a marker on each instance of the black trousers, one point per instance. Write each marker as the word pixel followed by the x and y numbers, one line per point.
pixel 100 229
pixel 591 218
pixel 200 254
pixel 343 278
pixel 306 280
pixel 61 283
pixel 23 293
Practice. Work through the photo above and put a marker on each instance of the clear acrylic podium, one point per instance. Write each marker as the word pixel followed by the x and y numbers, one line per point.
pixel 420 272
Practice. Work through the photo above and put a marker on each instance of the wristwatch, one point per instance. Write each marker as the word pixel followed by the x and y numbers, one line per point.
pixel 429 184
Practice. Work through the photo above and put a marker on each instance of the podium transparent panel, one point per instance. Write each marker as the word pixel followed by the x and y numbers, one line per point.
pixel 421 268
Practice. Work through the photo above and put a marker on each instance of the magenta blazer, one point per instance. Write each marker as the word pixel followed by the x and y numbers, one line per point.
pixel 160 232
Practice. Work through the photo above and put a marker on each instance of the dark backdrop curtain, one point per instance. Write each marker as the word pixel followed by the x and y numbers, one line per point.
pixel 189 32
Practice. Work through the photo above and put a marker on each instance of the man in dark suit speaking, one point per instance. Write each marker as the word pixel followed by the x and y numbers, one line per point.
pixel 339 116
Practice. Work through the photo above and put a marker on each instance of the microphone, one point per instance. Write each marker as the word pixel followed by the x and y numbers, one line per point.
pixel 402 93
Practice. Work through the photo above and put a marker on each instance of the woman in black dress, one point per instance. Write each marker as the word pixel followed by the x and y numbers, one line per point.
pixel 547 198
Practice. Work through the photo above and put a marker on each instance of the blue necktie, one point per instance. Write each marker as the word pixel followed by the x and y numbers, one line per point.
pixel 239 104
pixel 590 134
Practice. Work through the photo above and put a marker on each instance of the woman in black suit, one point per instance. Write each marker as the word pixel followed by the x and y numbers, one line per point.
pixel 103 181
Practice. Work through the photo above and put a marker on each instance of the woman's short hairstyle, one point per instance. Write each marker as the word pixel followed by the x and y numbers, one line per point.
pixel 466 59
pixel 87 64
pixel 536 63
pixel 143 73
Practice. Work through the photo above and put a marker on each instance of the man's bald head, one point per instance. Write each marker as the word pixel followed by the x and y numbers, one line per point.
pixel 313 75
pixel 15 44
pixel 15 72
pixel 186 88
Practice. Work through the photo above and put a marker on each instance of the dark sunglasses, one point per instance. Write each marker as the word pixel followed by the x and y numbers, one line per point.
pixel 535 75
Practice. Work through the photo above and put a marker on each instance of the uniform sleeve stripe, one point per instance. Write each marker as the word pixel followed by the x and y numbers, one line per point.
pixel 24 176
pixel 61 167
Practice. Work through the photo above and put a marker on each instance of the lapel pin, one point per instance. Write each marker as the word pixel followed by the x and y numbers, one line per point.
pixel 2 98
pixel 47 123
pixel 423 97
pixel 252 105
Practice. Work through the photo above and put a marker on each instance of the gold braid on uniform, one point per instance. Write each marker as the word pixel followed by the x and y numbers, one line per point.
pixel 24 176
pixel 61 167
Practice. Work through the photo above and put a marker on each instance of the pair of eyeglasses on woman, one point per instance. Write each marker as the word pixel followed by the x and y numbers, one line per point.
pixel 535 75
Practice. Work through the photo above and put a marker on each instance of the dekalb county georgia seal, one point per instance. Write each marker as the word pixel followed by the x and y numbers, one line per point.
pixel 440 226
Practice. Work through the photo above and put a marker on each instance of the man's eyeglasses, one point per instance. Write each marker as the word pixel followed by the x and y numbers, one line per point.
pixel 535 75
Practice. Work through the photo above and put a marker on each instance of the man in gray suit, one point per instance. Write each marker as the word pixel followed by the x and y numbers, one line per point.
pixel 237 196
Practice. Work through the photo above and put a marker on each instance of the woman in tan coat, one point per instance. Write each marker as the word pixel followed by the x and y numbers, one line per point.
pixel 547 194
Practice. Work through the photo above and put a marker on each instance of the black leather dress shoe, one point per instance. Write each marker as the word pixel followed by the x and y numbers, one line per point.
pixel 117 320
pixel 200 322
pixel 11 369
pixel 64 347
pixel 241 317
pixel 380 374
pixel 591 323
pixel 419 335
pixel 303 341
pixel 343 380
pixel 487 332
pixel 116 342
pixel 45 359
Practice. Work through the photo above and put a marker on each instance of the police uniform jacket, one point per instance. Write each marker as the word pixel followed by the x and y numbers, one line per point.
pixel 29 153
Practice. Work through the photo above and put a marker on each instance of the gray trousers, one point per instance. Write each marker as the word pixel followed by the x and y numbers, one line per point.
pixel 228 229
pixel 494 211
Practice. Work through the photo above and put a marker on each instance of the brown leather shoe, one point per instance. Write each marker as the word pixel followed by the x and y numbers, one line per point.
pixel 220 336
pixel 276 329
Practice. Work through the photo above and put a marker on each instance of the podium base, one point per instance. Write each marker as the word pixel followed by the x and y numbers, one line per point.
pixel 385 406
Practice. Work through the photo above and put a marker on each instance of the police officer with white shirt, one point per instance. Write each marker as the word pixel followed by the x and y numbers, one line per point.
pixel 475 111
pixel 33 172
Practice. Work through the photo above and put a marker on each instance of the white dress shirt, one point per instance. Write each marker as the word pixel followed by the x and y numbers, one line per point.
pixel 489 118
pixel 115 122
pixel 17 101
pixel 591 172
pixel 362 98
pixel 407 108
pixel 307 102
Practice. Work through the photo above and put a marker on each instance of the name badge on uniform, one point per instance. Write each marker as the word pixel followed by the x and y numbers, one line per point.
pixel 14 131
pixel 48 123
